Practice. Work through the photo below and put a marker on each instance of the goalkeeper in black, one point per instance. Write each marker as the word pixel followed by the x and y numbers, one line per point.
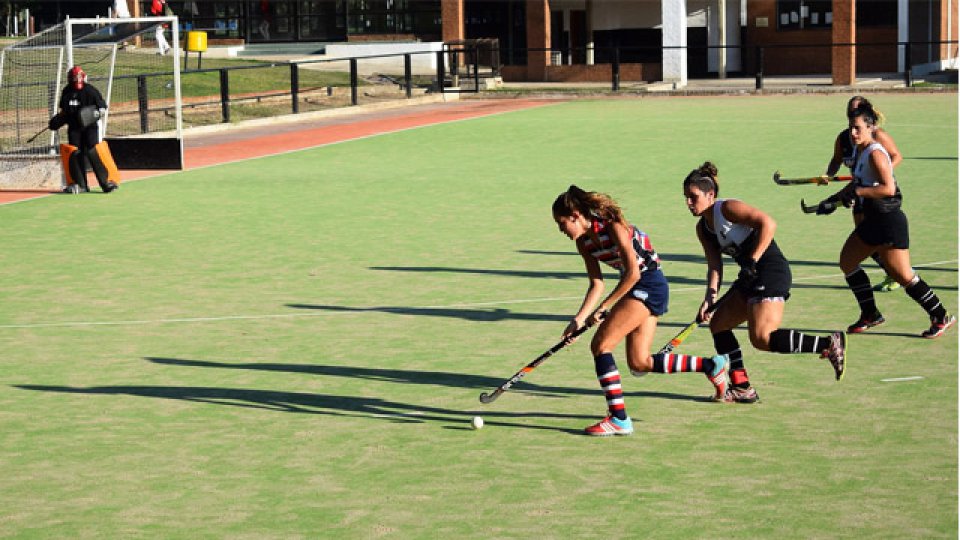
pixel 81 107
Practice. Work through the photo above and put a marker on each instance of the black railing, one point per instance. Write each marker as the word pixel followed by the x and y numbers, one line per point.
pixel 468 61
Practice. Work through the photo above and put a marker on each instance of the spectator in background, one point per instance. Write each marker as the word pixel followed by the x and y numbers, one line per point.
pixel 120 9
pixel 160 8
pixel 264 26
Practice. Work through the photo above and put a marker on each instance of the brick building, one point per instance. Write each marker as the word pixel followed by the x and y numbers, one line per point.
pixel 569 40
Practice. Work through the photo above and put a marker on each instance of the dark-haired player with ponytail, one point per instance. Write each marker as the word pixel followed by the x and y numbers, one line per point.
pixel 844 153
pixel 596 223
pixel 734 228
pixel 883 230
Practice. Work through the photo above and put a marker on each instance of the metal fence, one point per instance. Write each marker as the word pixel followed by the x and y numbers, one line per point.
pixel 460 67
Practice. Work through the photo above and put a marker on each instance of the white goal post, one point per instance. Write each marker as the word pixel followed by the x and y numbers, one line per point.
pixel 122 59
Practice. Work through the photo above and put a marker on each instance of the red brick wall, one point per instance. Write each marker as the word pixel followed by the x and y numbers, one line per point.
pixel 538 37
pixel 807 59
pixel 948 33
pixel 649 72
pixel 452 15
pixel 844 58
pixel 381 37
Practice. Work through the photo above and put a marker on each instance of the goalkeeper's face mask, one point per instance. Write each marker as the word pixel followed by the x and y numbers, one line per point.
pixel 76 77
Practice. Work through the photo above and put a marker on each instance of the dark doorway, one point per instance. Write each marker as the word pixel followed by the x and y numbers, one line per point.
pixel 578 36
pixel 697 52
pixel 505 20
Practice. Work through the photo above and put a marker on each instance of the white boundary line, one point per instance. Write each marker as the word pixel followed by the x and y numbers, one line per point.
pixel 903 379
pixel 137 322
pixel 285 152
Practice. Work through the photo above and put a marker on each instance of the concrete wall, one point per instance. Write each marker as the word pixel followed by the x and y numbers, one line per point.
pixel 419 62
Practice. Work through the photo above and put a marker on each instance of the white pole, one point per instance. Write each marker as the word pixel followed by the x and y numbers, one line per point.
pixel 589 56
pixel 68 38
pixel 56 92
pixel 106 115
pixel 175 31
pixel 722 56
pixel 903 32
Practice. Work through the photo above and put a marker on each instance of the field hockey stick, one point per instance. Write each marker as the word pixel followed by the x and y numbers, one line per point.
pixel 812 209
pixel 30 140
pixel 685 333
pixel 489 398
pixel 779 180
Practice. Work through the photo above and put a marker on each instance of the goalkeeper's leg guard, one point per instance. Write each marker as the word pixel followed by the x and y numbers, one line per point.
pixel 73 170
pixel 101 160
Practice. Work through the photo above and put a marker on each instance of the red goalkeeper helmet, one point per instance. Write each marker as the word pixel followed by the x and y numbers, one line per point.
pixel 76 77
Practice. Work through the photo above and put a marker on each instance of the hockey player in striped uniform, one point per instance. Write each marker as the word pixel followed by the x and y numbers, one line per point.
pixel 602 235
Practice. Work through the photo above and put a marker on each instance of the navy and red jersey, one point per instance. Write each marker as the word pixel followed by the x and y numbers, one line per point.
pixel 608 253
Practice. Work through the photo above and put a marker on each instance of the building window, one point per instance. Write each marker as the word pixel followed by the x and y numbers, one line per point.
pixel 876 12
pixel 800 14
pixel 394 17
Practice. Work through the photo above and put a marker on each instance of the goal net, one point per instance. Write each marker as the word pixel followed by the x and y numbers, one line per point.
pixel 121 58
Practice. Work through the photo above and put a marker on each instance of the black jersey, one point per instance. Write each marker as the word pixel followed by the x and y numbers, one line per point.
pixel 72 100
pixel 848 150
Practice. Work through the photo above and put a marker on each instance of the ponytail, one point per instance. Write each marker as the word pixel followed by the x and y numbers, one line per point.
pixel 587 203
pixel 860 106
pixel 704 178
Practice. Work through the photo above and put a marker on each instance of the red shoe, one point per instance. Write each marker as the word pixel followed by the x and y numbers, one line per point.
pixel 610 426
pixel 937 328
pixel 866 322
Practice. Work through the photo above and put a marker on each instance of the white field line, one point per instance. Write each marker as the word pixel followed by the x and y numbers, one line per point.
pixel 136 322
pixel 284 152
pixel 903 379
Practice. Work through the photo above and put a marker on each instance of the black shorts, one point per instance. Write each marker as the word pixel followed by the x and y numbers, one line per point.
pixel 775 276
pixel 885 229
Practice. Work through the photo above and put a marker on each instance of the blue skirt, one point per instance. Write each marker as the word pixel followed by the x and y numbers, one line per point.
pixel 652 289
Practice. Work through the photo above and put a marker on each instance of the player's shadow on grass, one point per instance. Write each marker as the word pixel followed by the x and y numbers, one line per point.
pixel 319 404
pixel 476 315
pixel 521 273
pixel 436 378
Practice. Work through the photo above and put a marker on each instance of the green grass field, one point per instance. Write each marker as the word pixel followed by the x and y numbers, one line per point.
pixel 293 347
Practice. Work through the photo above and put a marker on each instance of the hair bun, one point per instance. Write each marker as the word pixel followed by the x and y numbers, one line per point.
pixel 708 169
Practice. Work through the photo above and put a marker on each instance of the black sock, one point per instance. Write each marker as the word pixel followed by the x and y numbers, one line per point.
pixel 860 285
pixel 788 341
pixel 928 300
pixel 726 343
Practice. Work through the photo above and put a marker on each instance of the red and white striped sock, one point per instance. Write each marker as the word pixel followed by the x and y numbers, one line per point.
pixel 609 379
pixel 679 363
